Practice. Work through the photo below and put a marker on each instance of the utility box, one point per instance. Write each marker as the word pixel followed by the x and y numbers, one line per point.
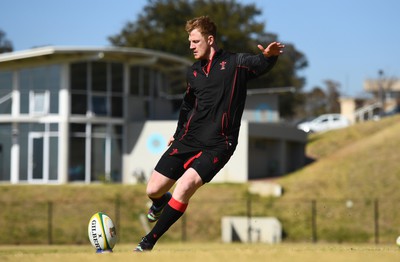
pixel 251 230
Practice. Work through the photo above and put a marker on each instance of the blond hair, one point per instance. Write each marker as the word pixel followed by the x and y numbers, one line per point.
pixel 203 24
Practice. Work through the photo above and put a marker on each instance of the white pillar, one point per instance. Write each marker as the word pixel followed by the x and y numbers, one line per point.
pixel 126 160
pixel 14 172
pixel 63 131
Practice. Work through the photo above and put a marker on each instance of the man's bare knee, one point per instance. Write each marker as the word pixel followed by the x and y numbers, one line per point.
pixel 152 191
pixel 158 185
pixel 187 186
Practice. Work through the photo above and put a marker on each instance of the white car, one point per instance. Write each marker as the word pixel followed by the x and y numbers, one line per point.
pixel 324 123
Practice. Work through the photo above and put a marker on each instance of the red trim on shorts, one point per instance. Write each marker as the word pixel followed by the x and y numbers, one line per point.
pixel 175 204
pixel 190 161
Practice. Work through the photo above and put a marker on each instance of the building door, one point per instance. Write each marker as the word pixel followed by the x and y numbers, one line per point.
pixel 37 155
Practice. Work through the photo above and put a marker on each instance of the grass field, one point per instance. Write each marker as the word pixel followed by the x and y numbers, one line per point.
pixel 207 252
pixel 357 165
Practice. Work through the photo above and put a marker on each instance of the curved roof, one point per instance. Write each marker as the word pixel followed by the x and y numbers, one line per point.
pixel 53 54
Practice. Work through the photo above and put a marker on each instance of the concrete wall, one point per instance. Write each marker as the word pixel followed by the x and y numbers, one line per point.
pixel 275 150
pixel 261 108
pixel 251 230
pixel 264 150
pixel 147 141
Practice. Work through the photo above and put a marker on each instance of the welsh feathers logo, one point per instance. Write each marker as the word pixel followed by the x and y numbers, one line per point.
pixel 216 160
pixel 174 152
pixel 222 64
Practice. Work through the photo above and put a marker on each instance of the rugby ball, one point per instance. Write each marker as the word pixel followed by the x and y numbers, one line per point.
pixel 102 233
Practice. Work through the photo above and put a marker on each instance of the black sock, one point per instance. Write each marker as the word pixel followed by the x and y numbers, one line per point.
pixel 171 213
pixel 159 202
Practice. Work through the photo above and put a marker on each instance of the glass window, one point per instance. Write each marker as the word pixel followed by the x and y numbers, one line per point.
pixel 103 146
pixel 24 100
pixel 105 98
pixel 5 151
pixel 117 106
pixel 141 80
pixel 53 85
pixel 5 92
pixel 38 78
pixel 53 78
pixel 134 81
pixel 116 160
pixel 5 104
pixel 53 158
pixel 77 152
pixel 98 159
pixel 117 76
pixel 116 153
pixel 39 102
pixel 99 129
pixel 53 102
pixel 46 78
pixel 36 152
pixel 53 127
pixel 99 76
pixel 24 80
pixel 44 82
pixel 147 81
pixel 78 104
pixel 98 153
pixel 5 81
pixel 78 76
pixel 23 154
pixel 24 86
pixel 100 105
pixel 117 131
pixel 37 127
pixel 76 129
pixel 77 159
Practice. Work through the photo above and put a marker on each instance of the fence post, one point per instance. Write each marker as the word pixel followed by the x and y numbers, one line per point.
pixel 314 220
pixel 376 220
pixel 249 229
pixel 117 212
pixel 50 222
pixel 184 235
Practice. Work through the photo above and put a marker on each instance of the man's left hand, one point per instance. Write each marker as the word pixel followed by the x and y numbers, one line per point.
pixel 273 49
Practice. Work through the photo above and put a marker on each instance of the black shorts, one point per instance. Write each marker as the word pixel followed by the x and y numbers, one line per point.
pixel 207 162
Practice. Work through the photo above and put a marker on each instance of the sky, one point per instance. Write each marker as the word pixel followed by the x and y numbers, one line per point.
pixel 346 41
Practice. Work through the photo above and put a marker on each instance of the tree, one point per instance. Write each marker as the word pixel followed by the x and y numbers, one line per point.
pixel 332 90
pixel 5 44
pixel 321 100
pixel 315 103
pixel 161 27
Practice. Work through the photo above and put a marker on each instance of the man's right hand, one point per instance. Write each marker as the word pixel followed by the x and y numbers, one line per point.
pixel 171 139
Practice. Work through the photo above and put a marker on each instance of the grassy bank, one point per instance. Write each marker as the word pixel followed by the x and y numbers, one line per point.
pixel 348 194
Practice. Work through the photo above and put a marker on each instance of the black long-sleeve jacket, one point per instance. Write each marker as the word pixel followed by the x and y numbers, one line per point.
pixel 214 101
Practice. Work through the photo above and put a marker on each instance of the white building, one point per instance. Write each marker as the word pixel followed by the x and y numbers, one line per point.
pixel 384 101
pixel 105 114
